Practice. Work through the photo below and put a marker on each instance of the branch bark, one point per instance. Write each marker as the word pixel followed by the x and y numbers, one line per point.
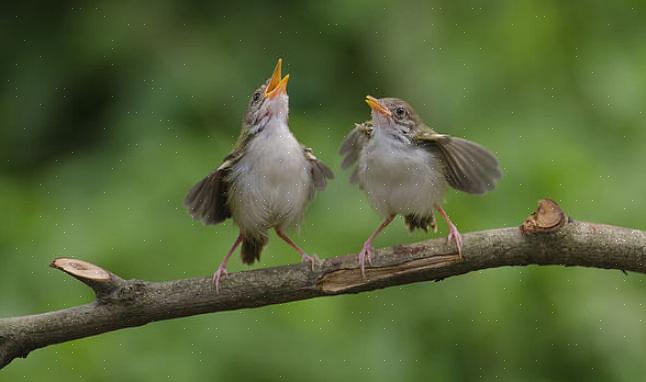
pixel 547 237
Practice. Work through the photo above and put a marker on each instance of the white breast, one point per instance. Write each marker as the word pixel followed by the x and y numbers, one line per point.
pixel 399 178
pixel 271 182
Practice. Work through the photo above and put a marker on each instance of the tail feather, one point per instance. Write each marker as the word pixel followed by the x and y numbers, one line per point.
pixel 252 247
pixel 421 222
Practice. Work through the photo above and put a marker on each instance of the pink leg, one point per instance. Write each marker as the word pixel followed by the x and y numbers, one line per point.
pixel 222 269
pixel 306 258
pixel 366 250
pixel 453 230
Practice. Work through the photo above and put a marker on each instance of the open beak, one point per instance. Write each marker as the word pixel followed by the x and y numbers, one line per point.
pixel 277 85
pixel 375 105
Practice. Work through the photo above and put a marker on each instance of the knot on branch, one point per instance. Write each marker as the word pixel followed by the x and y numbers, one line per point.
pixel 130 292
pixel 548 217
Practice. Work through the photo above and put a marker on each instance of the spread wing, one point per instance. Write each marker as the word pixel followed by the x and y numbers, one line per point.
pixel 320 172
pixel 353 144
pixel 469 167
pixel 207 201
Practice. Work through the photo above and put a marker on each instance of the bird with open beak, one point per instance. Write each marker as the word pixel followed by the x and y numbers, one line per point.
pixel 405 168
pixel 266 182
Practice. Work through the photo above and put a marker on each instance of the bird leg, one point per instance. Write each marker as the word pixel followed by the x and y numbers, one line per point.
pixel 454 234
pixel 366 250
pixel 306 258
pixel 222 269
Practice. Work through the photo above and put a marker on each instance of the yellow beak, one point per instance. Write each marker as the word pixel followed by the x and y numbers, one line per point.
pixel 377 106
pixel 277 85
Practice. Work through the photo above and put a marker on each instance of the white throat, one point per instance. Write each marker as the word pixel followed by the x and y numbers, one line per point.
pixel 279 108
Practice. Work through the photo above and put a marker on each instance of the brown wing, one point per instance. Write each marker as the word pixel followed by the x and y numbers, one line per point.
pixel 320 172
pixel 207 200
pixel 469 167
pixel 353 144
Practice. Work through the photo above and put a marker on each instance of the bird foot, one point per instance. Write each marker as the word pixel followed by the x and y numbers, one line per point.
pixel 313 260
pixel 454 235
pixel 221 272
pixel 364 256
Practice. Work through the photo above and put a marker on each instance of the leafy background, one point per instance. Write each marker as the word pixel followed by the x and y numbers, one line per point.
pixel 110 111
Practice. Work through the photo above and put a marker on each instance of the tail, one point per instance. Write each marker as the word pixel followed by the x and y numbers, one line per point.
pixel 251 248
pixel 421 222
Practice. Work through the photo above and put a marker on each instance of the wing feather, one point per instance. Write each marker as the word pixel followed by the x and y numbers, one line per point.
pixel 207 200
pixel 352 146
pixel 354 142
pixel 469 167
pixel 319 171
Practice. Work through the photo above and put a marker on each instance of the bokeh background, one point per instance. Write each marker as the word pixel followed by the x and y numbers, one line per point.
pixel 110 111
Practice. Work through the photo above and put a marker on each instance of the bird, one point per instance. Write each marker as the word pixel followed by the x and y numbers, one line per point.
pixel 405 168
pixel 266 181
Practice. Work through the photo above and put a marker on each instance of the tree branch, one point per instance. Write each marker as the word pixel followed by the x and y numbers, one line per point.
pixel 547 237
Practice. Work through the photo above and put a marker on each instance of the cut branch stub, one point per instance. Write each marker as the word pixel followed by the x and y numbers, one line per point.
pixel 548 217
pixel 81 269
pixel 101 281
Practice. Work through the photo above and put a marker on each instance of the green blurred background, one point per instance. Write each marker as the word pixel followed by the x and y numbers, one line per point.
pixel 110 111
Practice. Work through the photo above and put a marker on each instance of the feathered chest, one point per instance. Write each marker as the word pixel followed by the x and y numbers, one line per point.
pixel 399 177
pixel 271 182
pixel 273 156
pixel 391 160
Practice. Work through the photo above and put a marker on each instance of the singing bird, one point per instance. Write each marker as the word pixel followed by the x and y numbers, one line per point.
pixel 405 168
pixel 266 182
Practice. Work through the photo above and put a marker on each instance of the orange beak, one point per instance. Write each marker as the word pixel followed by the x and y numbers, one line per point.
pixel 377 106
pixel 277 85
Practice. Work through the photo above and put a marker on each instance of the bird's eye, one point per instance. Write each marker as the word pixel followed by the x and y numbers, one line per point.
pixel 256 96
pixel 400 111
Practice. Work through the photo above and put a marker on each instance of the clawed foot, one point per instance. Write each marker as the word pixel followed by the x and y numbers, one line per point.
pixel 222 271
pixel 313 260
pixel 454 235
pixel 364 256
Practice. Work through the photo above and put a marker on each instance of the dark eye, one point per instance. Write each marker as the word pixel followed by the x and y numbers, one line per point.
pixel 400 111
pixel 256 96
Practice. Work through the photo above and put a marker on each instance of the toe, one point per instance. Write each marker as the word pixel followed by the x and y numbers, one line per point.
pixel 362 262
pixel 312 260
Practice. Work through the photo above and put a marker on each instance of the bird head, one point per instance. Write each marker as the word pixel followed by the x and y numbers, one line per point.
pixel 393 113
pixel 270 100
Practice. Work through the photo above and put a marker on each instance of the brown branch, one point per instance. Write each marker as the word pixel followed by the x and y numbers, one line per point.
pixel 547 237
